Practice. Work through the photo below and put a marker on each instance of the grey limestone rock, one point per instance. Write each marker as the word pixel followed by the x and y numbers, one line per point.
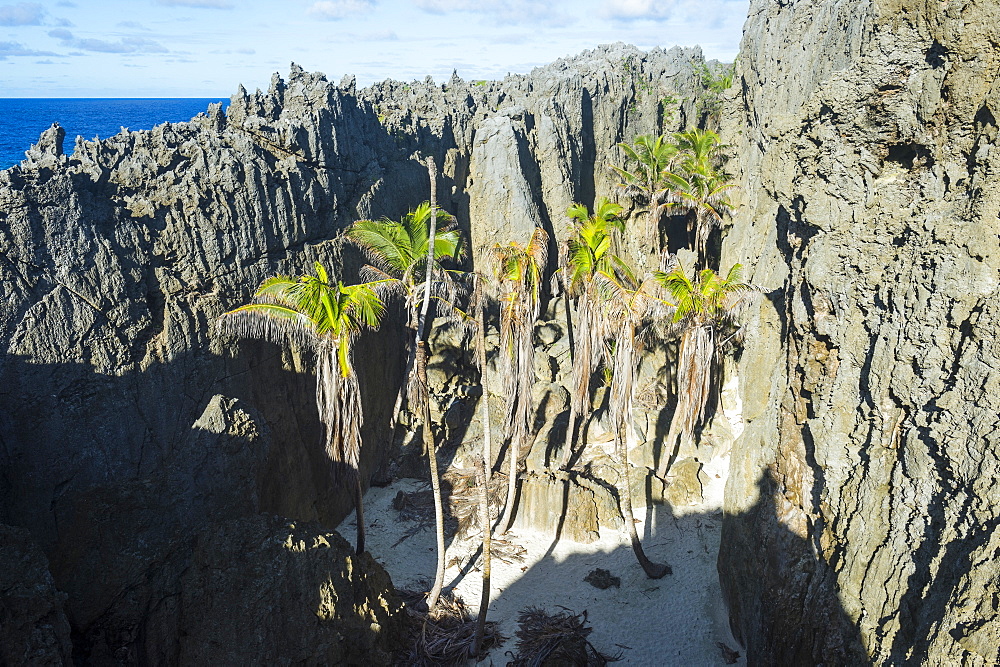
pixel 861 507
pixel 33 625
pixel 303 596
pixel 129 424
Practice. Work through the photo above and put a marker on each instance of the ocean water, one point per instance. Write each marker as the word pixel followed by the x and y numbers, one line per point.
pixel 22 120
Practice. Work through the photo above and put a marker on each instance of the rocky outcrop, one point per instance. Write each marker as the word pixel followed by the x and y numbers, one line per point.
pixel 861 504
pixel 303 597
pixel 33 625
pixel 128 423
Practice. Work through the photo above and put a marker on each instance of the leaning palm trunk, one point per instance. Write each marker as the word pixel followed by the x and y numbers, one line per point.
pixel 484 600
pixel 483 471
pixel 435 593
pixel 479 298
pixel 694 386
pixel 583 368
pixel 622 398
pixel 425 399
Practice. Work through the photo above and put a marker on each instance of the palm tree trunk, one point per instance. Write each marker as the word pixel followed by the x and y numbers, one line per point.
pixel 653 225
pixel 624 394
pixel 702 230
pixel 567 451
pixel 652 570
pixel 582 367
pixel 435 593
pixel 508 509
pixel 421 363
pixel 481 359
pixel 359 514
pixel 431 240
pixel 484 600
pixel 520 410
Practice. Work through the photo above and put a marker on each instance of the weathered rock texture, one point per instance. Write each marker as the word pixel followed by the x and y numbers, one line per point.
pixel 33 625
pixel 128 425
pixel 863 499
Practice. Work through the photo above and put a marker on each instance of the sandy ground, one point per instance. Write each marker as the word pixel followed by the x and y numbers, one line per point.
pixel 677 620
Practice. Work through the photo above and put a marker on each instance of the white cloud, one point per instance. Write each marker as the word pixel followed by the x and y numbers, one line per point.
pixel 18 49
pixel 123 45
pixel 23 13
pixel 503 12
pixel 684 10
pixel 382 36
pixel 334 10
pixel 639 9
pixel 200 4
pixel 445 6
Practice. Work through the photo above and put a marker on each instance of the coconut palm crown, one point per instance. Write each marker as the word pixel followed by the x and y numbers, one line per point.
pixel 399 249
pixel 706 309
pixel 698 187
pixel 652 158
pixel 325 317
pixel 589 252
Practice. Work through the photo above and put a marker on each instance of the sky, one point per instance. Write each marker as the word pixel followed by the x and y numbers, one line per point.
pixel 206 48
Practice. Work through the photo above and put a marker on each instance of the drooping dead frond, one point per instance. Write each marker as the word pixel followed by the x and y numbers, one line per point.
pixel 269 322
pixel 518 272
pixel 338 399
pixel 556 639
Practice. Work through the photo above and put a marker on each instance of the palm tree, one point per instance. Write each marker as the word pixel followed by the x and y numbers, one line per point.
pixel 518 271
pixel 326 317
pixel 482 480
pixel 479 306
pixel 408 253
pixel 698 147
pixel 627 307
pixel 698 187
pixel 400 249
pixel 652 158
pixel 589 251
pixel 706 308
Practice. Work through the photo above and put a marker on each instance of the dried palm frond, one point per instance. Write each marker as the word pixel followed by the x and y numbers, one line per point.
pixel 446 634
pixel 464 498
pixel 558 639
pixel 418 506
pixel 507 551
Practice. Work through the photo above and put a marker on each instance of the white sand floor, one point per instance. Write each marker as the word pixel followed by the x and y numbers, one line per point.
pixel 677 620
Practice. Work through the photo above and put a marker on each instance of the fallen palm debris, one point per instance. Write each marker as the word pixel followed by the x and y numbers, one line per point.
pixel 557 639
pixel 444 636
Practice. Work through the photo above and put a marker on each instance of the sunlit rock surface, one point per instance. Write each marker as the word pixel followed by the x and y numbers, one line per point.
pixel 862 499
pixel 128 424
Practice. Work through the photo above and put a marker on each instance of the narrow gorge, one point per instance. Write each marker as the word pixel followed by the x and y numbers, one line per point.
pixel 161 484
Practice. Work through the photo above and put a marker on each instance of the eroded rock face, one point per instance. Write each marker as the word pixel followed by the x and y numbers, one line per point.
pixel 33 625
pixel 301 593
pixel 128 424
pixel 861 503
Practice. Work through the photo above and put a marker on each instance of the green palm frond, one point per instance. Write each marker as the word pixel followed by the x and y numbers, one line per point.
pixel 399 247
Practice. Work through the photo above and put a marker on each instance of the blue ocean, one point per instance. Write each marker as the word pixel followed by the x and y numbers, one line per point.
pixel 22 120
